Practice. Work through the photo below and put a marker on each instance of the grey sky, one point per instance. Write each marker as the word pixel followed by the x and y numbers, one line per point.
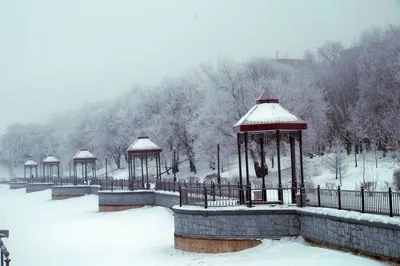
pixel 55 55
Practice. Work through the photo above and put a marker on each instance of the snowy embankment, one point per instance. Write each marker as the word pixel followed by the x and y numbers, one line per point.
pixel 72 232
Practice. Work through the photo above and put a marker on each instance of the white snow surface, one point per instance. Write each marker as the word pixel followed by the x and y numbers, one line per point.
pixel 268 113
pixel 143 144
pixel 72 232
pixel 31 163
pixel 84 154
pixel 51 159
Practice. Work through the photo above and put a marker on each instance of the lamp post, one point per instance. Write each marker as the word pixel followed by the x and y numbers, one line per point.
pixel 174 166
pixel 219 172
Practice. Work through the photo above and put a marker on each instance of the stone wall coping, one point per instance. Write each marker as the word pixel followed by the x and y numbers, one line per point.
pixel 127 192
pixel 232 211
pixel 40 184
pixel 69 186
pixel 17 182
pixel 374 220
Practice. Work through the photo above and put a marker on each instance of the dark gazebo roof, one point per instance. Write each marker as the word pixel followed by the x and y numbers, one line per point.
pixel 143 145
pixel 51 160
pixel 31 163
pixel 268 115
pixel 84 155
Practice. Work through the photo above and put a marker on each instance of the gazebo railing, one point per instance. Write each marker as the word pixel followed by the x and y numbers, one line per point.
pixel 4 253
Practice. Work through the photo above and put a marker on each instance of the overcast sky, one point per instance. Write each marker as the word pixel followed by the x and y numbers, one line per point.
pixel 57 54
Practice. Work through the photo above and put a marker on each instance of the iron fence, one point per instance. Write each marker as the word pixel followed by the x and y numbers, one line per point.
pixel 375 202
pixel 124 184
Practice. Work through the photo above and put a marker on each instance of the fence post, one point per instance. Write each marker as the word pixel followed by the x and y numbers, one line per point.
pixel 122 184
pixel 180 195
pixel 213 190
pixel 390 203
pixel 173 188
pixel 319 196
pixel 362 200
pixel 339 199
pixel 205 198
pixel 112 184
pixel 249 196
pixel 301 196
pixel 229 189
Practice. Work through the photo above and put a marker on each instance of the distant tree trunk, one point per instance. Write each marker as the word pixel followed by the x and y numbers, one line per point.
pixel 117 159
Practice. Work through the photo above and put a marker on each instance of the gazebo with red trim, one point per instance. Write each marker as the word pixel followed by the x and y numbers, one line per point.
pixel 143 148
pixel 48 164
pixel 31 164
pixel 269 116
pixel 84 157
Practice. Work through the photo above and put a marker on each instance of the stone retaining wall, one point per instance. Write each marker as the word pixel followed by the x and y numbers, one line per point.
pixel 166 199
pixel 17 185
pixel 200 230
pixel 33 187
pixel 124 200
pixel 374 239
pixel 243 228
pixel 66 192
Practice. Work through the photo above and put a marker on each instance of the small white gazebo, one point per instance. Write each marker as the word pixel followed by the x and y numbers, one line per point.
pixel 31 164
pixel 84 158
pixel 143 148
pixel 48 164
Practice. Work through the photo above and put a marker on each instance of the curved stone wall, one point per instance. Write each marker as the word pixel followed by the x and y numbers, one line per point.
pixel 216 231
pixel 124 200
pixel 33 187
pixel 17 185
pixel 66 192
pixel 233 229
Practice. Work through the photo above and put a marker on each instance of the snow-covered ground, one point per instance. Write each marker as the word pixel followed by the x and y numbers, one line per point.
pixel 71 232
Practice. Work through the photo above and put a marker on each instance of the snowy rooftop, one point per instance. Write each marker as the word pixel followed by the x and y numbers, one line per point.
pixel 51 159
pixel 268 114
pixel 143 145
pixel 84 154
pixel 31 162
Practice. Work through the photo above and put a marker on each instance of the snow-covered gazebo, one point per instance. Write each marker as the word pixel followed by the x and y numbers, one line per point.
pixel 31 164
pixel 48 167
pixel 266 122
pixel 144 149
pixel 84 158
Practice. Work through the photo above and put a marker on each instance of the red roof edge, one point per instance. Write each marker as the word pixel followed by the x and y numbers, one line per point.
pixel 143 151
pixel 269 127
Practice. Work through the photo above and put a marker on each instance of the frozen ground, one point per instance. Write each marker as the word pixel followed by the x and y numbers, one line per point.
pixel 72 232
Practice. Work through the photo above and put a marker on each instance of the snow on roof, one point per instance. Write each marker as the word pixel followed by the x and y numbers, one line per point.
pixel 268 114
pixel 31 162
pixel 142 145
pixel 51 159
pixel 84 154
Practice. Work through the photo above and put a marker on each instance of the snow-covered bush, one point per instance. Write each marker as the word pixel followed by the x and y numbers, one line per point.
pixel 330 185
pixel 396 179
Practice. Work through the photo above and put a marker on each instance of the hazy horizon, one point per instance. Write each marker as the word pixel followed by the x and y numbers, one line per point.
pixel 57 55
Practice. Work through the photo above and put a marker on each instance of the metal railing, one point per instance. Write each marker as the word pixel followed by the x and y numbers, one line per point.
pixel 4 253
pixel 375 202
pixel 124 184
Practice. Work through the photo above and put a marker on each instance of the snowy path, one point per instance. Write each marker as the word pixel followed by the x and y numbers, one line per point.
pixel 72 232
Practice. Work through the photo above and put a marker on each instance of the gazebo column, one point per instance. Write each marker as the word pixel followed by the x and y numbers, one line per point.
pixel 293 167
pixel 264 192
pixel 25 173
pixel 58 171
pixel 129 168
pixel 141 162
pixel 301 158
pixel 278 154
pixel 159 165
pixel 240 170
pixel 36 172
pixel 134 167
pixel 147 171
pixel 246 156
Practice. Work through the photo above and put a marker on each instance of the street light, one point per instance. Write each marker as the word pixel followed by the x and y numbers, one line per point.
pixel 219 173
pixel 174 166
